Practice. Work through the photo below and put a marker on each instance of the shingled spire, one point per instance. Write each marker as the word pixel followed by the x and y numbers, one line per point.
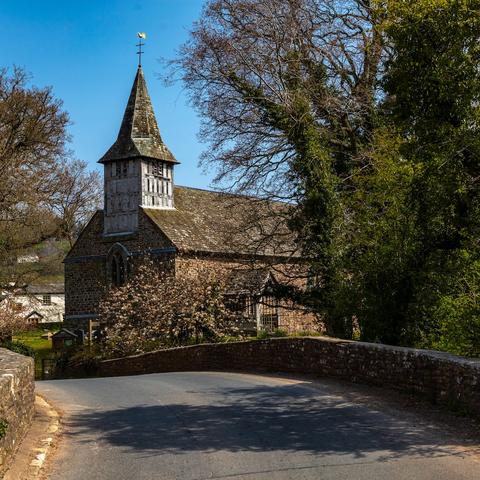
pixel 139 135
pixel 138 167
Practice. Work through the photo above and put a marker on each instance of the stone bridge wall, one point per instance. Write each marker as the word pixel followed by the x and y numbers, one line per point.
pixel 17 396
pixel 438 377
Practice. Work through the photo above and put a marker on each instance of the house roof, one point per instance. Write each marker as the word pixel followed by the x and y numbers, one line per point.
pixel 139 135
pixel 64 333
pixel 46 288
pixel 213 222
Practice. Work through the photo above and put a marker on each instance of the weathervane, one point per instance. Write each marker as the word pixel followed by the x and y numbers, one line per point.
pixel 141 36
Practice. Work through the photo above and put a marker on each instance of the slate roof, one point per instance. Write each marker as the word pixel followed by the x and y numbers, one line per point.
pixel 214 222
pixel 139 134
pixel 64 333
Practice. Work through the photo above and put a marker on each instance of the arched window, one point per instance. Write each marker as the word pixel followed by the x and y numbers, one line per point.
pixel 117 265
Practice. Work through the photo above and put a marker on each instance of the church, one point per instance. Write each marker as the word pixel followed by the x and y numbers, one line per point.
pixel 146 215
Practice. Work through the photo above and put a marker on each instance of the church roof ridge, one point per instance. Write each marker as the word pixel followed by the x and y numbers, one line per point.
pixel 139 135
pixel 245 196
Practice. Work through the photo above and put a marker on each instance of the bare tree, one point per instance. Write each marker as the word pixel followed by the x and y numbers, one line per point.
pixel 32 141
pixel 78 194
pixel 264 74
pixel 289 91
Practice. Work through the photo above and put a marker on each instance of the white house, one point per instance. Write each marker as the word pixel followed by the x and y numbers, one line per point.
pixel 42 303
pixel 28 258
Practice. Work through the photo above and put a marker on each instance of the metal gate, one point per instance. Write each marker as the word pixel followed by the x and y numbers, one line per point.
pixel 49 368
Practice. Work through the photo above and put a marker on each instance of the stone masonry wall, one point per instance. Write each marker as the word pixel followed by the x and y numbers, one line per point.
pixel 85 265
pixel 438 377
pixel 17 396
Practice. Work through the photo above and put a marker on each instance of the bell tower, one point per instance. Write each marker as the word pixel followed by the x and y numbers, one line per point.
pixel 138 167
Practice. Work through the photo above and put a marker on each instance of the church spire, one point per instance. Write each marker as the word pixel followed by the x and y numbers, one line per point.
pixel 139 135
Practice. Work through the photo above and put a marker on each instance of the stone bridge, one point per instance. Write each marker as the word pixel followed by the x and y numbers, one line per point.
pixel 438 377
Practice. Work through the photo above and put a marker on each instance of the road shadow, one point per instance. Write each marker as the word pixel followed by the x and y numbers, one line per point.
pixel 288 418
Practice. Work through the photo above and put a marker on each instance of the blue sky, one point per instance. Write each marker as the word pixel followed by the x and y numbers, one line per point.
pixel 85 49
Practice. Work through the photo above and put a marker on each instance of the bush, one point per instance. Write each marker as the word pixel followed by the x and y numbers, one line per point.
pixel 3 428
pixel 306 333
pixel 459 325
pixel 262 334
pixel 448 305
pixel 19 347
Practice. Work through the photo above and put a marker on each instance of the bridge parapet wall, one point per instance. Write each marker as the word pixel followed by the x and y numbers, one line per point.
pixel 439 377
pixel 17 397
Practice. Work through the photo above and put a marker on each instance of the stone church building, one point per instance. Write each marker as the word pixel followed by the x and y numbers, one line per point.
pixel 146 215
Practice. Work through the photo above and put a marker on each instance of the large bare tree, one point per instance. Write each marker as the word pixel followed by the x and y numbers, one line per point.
pixel 78 195
pixel 267 75
pixel 32 141
pixel 43 192
pixel 288 91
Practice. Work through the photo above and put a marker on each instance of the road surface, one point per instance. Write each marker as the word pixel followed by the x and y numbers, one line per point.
pixel 199 426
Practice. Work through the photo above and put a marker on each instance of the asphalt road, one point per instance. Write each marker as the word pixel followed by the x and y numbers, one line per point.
pixel 233 426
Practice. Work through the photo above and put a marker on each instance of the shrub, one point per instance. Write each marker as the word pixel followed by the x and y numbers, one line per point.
pixel 3 428
pixel 448 305
pixel 262 334
pixel 278 332
pixel 19 347
pixel 306 333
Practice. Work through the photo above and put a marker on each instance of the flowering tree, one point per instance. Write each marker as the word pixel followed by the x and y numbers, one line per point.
pixel 156 309
pixel 12 319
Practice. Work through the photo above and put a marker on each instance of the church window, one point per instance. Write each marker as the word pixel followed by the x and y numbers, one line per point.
pixel 125 168
pixel 118 270
pixel 114 270
pixel 118 168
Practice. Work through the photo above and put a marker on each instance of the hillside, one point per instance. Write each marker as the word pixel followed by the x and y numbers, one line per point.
pixel 42 263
